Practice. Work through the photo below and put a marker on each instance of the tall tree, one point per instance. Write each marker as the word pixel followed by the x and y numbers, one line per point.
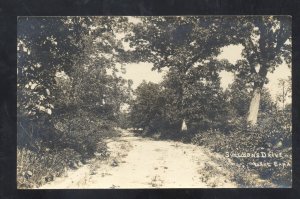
pixel 74 46
pixel 94 83
pixel 179 44
pixel 65 63
pixel 267 43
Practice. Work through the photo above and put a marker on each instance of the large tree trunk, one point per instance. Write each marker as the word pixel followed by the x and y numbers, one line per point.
pixel 255 100
pixel 254 106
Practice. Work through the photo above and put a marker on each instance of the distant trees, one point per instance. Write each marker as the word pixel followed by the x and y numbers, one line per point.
pixel 159 107
pixel 147 109
pixel 285 92
pixel 203 101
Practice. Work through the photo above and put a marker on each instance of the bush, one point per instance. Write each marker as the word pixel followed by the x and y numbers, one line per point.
pixel 82 132
pixel 47 147
pixel 36 168
pixel 271 135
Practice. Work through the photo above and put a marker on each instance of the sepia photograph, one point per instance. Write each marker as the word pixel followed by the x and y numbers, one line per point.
pixel 136 102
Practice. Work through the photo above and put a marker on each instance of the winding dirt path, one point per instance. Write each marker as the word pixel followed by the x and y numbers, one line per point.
pixel 137 162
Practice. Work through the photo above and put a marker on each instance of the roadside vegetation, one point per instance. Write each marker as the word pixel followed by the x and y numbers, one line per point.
pixel 69 95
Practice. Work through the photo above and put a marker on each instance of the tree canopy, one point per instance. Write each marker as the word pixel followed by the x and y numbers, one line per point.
pixel 186 45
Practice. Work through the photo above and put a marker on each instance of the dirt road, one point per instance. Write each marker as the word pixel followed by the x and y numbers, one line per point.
pixel 137 162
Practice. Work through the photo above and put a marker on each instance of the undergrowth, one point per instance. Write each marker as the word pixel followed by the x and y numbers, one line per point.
pixel 264 149
pixel 46 149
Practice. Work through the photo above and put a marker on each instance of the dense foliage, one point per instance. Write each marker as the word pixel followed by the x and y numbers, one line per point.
pixel 69 95
pixel 271 135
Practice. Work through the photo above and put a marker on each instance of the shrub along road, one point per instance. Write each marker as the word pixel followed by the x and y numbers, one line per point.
pixel 137 162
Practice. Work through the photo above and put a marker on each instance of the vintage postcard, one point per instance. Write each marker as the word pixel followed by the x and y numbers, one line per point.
pixel 154 102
